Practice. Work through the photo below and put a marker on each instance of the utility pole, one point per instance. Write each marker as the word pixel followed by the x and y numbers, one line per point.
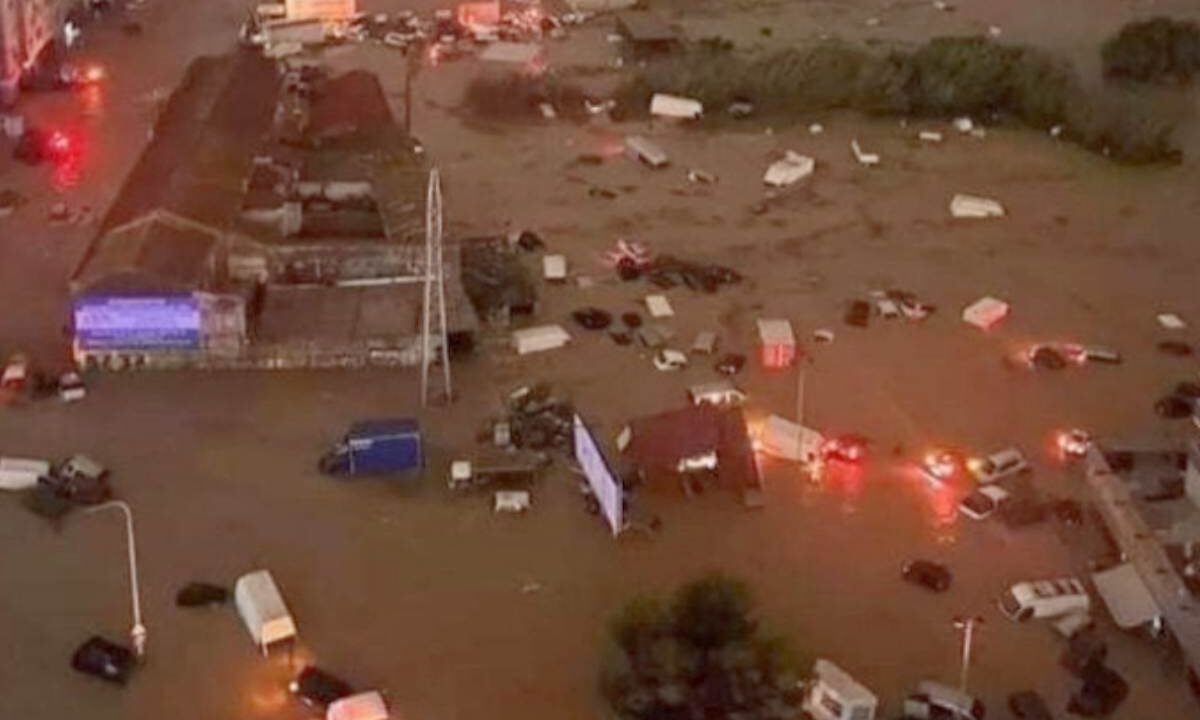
pixel 801 377
pixel 967 625
pixel 137 633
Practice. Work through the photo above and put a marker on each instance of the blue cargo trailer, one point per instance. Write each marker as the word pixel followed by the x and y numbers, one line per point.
pixel 375 447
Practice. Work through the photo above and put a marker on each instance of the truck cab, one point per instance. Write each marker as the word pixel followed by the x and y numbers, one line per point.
pixel 375 447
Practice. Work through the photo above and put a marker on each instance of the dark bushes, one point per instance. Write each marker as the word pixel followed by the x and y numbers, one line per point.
pixel 1155 50
pixel 945 77
pixel 515 96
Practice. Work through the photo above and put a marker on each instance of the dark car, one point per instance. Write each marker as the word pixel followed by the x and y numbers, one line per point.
pixel 730 364
pixel 1084 649
pixel 858 314
pixel 1174 407
pixel 1045 357
pixel 201 594
pixel 927 574
pixel 1067 511
pixel 1178 348
pixel 103 659
pixel 592 318
pixel 1023 512
pixel 319 689
pixel 80 489
pixel 1103 690
pixel 31 147
pixel 1187 389
pixel 1028 705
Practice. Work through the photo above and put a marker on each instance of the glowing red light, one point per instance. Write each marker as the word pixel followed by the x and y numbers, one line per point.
pixel 58 143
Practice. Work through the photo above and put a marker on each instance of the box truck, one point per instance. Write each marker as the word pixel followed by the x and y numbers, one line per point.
pixel 375 447
pixel 261 607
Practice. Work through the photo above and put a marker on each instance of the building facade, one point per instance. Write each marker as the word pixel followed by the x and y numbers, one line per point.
pixel 29 30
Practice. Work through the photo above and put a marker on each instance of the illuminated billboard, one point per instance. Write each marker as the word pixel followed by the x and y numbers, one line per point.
pixel 604 484
pixel 137 323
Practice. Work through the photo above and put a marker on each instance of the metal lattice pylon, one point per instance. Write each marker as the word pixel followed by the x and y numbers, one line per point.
pixel 433 307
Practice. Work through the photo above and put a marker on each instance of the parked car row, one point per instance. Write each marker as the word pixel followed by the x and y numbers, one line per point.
pixel 20 380
pixel 79 479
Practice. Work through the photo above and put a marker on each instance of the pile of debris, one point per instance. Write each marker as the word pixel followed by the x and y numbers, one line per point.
pixel 668 271
pixel 536 420
pixel 498 284
pixel 888 305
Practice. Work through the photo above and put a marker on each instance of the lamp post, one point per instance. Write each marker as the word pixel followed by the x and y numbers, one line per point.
pixel 138 632
pixel 967 625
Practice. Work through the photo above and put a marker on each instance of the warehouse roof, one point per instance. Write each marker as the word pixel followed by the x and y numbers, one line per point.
pixel 159 252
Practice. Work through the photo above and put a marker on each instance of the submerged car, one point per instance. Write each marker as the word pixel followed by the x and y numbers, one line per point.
pixel 858 314
pixel 850 448
pixel 998 465
pixel 927 574
pixel 982 503
pixel 939 466
pixel 103 659
pixel 318 688
pixel 1029 705
pixel 1103 690
pixel 1073 443
pixel 669 360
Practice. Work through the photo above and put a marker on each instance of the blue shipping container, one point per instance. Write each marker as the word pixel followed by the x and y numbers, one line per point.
pixel 376 447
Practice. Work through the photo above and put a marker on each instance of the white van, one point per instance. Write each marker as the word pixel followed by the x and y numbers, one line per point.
pixel 261 607
pixel 1045 599
pixel 998 465
pixel 640 148
pixel 21 473
pixel 721 393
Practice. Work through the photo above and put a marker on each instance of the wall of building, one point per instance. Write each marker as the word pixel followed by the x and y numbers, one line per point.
pixel 1191 476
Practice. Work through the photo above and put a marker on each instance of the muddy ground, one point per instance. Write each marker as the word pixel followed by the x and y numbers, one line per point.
pixel 461 615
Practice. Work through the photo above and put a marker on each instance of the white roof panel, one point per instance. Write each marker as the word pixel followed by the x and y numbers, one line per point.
pixel 1126 596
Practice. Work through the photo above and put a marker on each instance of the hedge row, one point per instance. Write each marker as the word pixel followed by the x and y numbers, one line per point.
pixel 946 77
pixel 1155 50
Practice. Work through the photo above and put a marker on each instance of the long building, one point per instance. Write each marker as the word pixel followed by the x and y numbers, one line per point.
pixel 1149 500
pixel 270 222
pixel 29 32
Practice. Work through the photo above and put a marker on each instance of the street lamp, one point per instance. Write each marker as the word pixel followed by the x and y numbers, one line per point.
pixel 967 625
pixel 138 632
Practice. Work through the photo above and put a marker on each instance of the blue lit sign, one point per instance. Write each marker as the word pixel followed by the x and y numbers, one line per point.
pixel 132 323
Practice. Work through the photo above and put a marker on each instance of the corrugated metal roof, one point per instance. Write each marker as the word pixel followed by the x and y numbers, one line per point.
pixel 159 252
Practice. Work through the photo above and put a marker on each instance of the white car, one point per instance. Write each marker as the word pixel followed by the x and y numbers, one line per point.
pixel 669 360
pixel 71 387
pixel 16 372
pixel 980 504
pixel 998 465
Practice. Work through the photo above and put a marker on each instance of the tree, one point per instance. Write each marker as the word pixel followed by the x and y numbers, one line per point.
pixel 702 657
pixel 1153 50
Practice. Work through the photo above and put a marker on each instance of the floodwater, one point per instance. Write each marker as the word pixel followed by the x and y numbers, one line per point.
pixel 459 614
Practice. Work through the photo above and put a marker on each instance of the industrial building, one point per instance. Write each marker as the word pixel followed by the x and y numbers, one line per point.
pixel 274 220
